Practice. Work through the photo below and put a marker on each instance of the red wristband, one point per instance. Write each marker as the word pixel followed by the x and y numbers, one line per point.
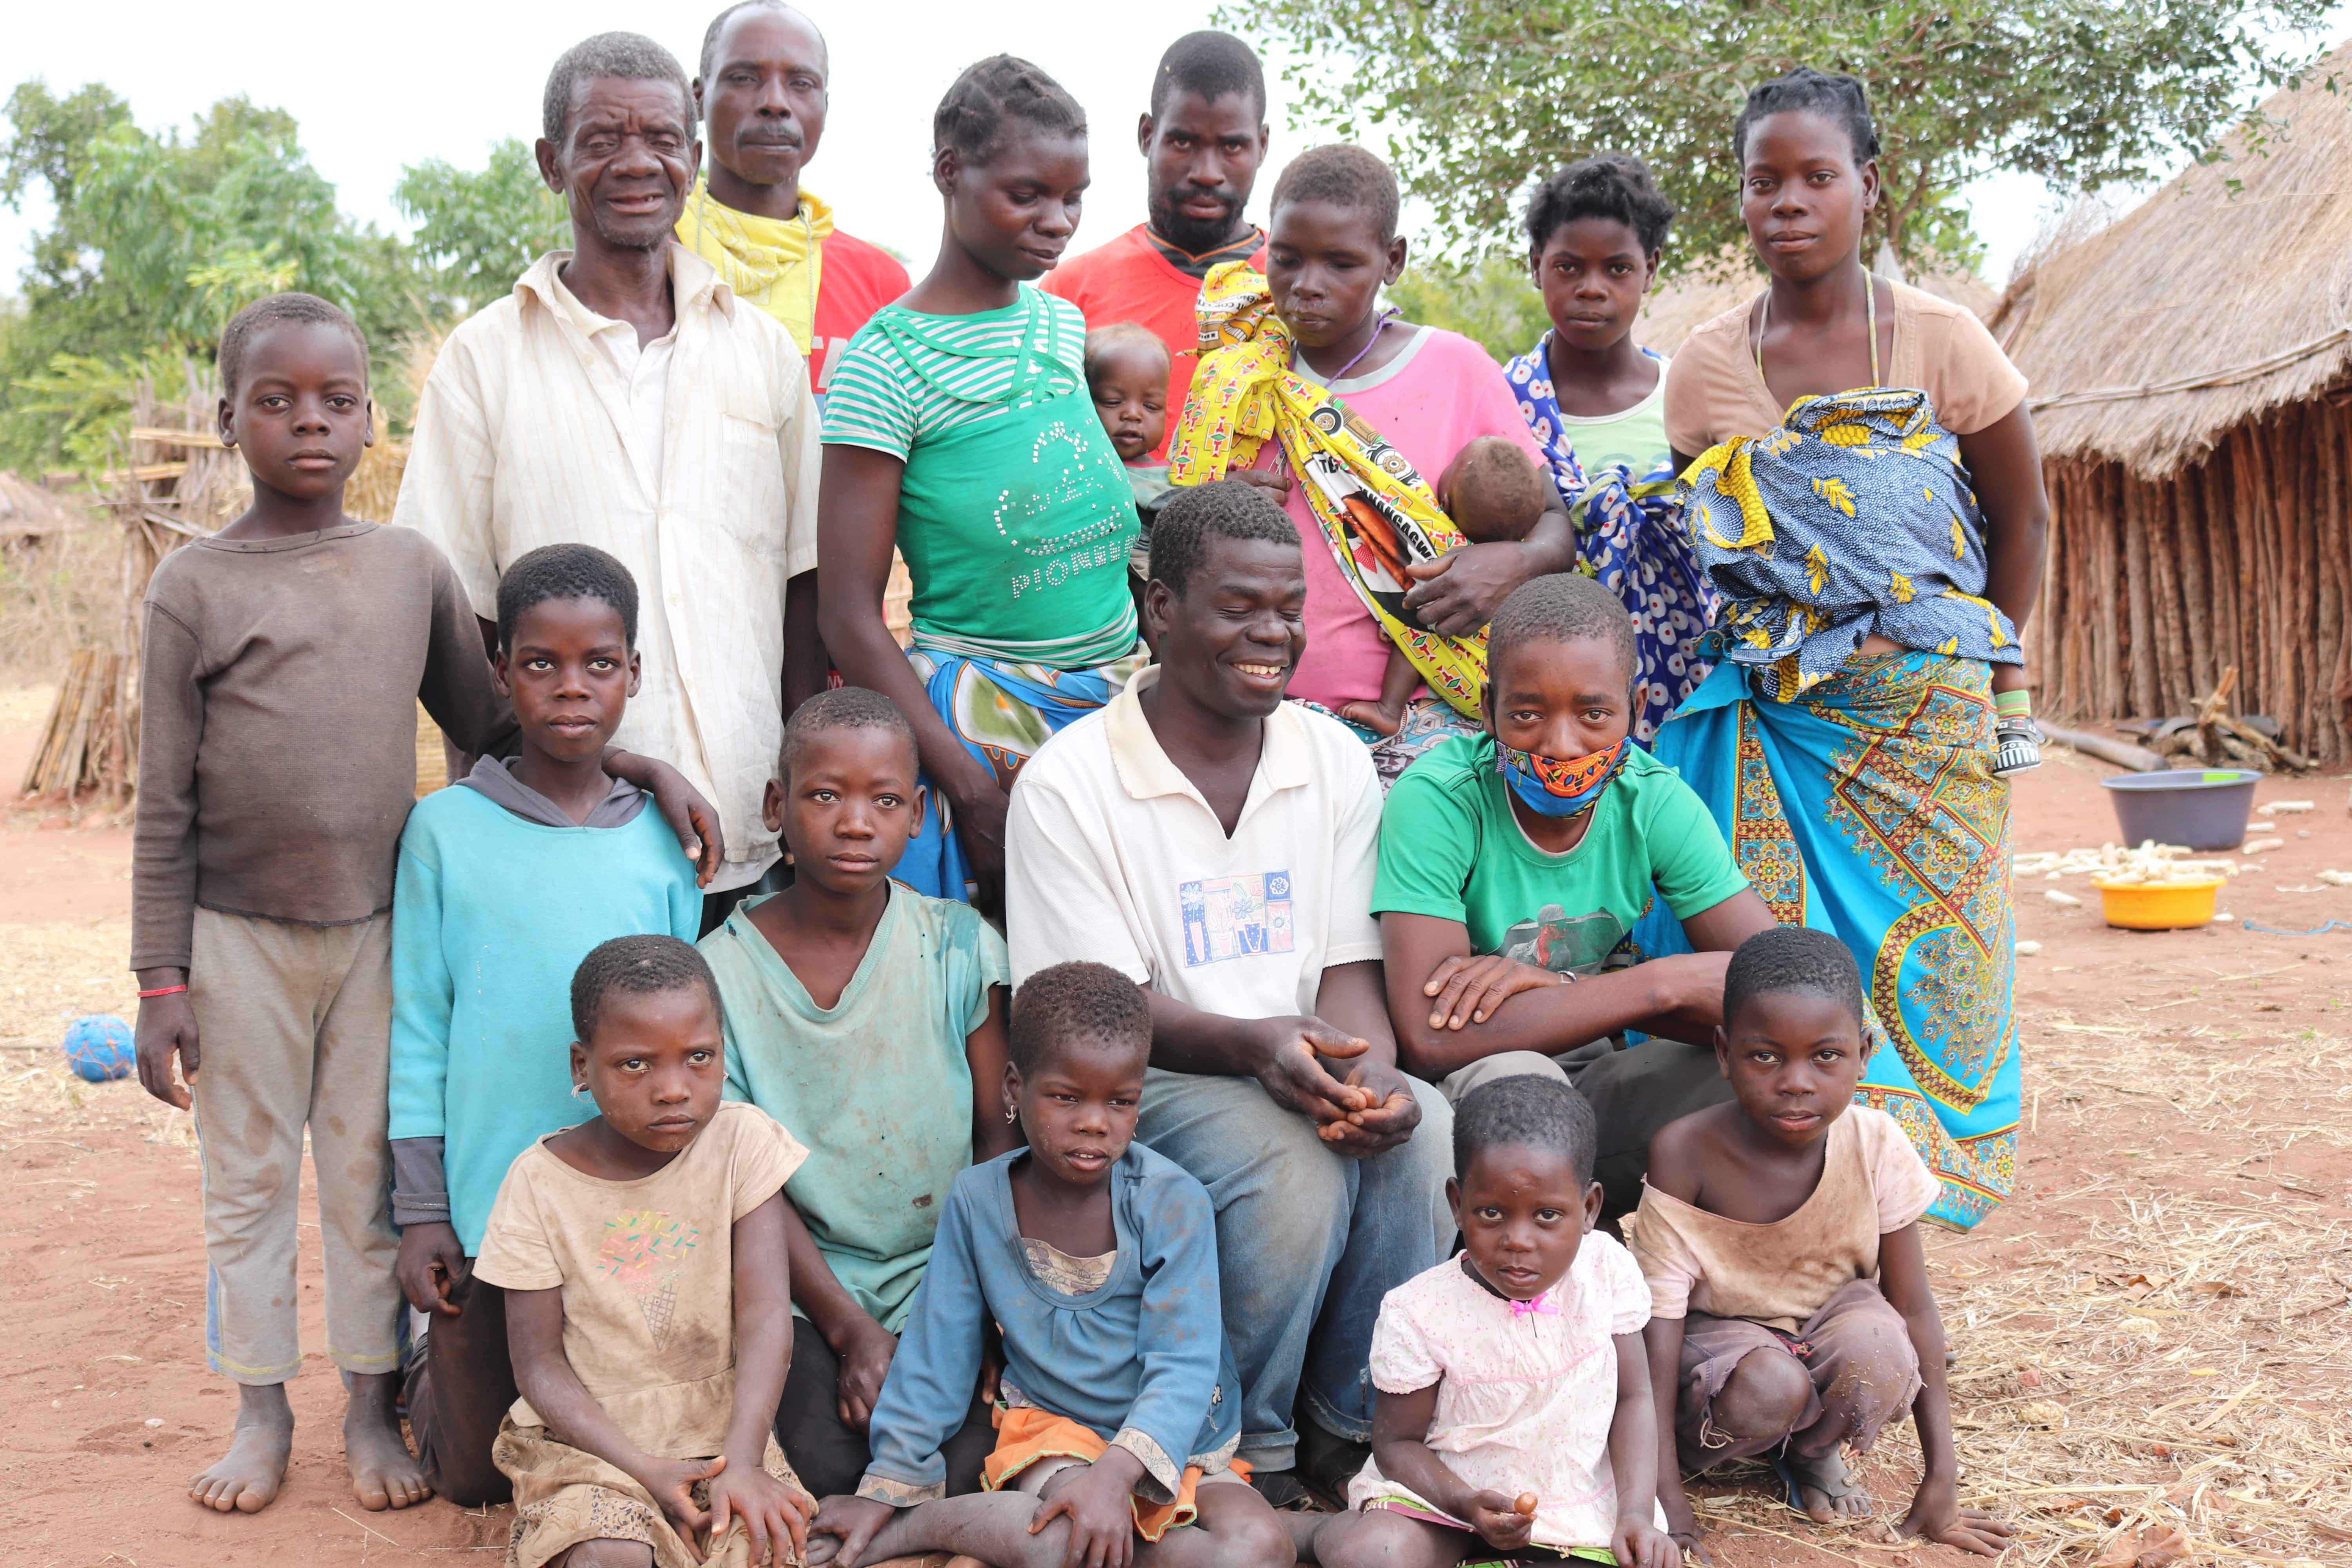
pixel 162 991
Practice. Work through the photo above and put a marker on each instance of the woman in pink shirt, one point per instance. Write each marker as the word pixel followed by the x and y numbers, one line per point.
pixel 1417 395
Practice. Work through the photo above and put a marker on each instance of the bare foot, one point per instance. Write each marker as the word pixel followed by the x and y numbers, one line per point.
pixel 1829 1492
pixel 384 1474
pixel 247 1477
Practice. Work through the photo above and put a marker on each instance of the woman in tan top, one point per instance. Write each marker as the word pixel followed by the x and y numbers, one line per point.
pixel 1879 549
pixel 1808 155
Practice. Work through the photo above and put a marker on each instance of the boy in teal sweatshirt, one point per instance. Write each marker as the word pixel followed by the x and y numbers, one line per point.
pixel 505 883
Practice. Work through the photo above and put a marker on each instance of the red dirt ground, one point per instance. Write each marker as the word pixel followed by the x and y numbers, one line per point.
pixel 107 1406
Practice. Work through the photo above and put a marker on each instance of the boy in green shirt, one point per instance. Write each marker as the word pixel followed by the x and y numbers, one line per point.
pixel 873 1018
pixel 1514 863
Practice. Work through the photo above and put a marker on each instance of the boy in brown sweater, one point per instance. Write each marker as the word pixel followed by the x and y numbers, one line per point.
pixel 283 660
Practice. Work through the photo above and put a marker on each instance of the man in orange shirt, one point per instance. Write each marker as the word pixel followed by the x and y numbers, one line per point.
pixel 763 93
pixel 1204 140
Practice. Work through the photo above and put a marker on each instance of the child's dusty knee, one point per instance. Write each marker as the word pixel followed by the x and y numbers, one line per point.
pixel 1373 1538
pixel 1872 1336
pixel 1765 1394
pixel 1877 1373
pixel 1253 1542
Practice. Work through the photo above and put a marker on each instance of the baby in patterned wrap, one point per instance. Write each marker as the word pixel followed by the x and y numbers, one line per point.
pixel 648 1307
pixel 1493 494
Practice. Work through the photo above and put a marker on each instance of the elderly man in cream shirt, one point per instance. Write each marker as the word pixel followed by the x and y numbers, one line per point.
pixel 623 398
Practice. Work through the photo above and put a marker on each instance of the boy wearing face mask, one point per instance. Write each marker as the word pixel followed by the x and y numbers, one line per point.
pixel 1512 864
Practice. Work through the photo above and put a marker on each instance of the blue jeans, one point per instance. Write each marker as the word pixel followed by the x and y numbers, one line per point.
pixel 1307 1243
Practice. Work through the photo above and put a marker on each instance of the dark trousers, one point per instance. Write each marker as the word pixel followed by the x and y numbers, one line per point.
pixel 458 1392
pixel 829 1454
pixel 1632 1094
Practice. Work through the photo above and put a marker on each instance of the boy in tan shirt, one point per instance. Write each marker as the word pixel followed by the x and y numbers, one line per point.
pixel 1790 1311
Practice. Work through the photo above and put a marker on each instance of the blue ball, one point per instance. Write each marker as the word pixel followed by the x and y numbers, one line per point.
pixel 97 1047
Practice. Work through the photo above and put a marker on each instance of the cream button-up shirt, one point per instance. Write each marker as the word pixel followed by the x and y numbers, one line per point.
pixel 529 433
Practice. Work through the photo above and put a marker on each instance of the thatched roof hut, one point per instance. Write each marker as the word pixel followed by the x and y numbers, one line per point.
pixel 2190 365
pixel 28 513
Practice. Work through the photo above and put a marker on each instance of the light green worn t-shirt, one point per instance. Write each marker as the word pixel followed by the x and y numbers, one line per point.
pixel 877 1087
pixel 1450 848
pixel 1636 438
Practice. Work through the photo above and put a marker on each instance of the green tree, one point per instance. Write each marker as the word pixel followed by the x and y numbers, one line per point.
pixel 158 240
pixel 480 231
pixel 1491 300
pixel 1475 98
pixel 52 137
pixel 192 232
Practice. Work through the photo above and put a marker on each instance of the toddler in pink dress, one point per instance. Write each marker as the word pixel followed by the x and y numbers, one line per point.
pixel 1514 1418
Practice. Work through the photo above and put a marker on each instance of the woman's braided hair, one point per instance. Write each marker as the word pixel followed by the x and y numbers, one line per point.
pixel 1837 98
pixel 972 117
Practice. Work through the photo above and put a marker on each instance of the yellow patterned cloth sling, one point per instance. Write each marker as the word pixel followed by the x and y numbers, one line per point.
pixel 1377 513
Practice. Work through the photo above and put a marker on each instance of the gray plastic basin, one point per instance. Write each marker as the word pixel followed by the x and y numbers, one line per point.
pixel 2204 808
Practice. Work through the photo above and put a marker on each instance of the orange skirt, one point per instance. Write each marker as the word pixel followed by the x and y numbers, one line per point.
pixel 1025 1435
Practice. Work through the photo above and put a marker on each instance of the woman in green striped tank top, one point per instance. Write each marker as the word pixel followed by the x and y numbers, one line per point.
pixel 957 430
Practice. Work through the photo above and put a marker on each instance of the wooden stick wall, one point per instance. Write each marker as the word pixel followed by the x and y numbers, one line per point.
pixel 2155 588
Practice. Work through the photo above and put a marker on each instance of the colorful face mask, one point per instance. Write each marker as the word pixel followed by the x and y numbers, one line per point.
pixel 1555 786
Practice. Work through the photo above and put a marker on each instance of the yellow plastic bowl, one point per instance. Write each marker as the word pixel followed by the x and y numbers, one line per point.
pixel 2170 906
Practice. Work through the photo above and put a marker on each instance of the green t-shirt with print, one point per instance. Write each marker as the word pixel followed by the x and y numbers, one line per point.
pixel 1450 848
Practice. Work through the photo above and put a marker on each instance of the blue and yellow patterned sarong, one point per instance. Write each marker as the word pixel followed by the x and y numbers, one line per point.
pixel 1001 712
pixel 1857 793
pixel 1853 518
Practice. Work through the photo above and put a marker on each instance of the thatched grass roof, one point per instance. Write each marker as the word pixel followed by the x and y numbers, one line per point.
pixel 2203 307
pixel 1677 309
pixel 27 511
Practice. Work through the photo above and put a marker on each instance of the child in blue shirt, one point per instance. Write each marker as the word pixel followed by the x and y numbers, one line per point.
pixel 1097 1260
pixel 505 884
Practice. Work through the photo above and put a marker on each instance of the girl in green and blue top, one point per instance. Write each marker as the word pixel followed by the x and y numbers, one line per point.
pixel 960 431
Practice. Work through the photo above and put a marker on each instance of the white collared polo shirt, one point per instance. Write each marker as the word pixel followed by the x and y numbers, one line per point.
pixel 1112 853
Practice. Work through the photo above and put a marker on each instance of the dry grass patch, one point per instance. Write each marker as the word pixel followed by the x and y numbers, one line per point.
pixel 2170 1382
pixel 2157 1374
pixel 55 971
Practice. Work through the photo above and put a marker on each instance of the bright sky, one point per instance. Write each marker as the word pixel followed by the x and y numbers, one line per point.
pixel 446 79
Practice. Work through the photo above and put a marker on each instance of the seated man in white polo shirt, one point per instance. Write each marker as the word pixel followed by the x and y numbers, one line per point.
pixel 1218 845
